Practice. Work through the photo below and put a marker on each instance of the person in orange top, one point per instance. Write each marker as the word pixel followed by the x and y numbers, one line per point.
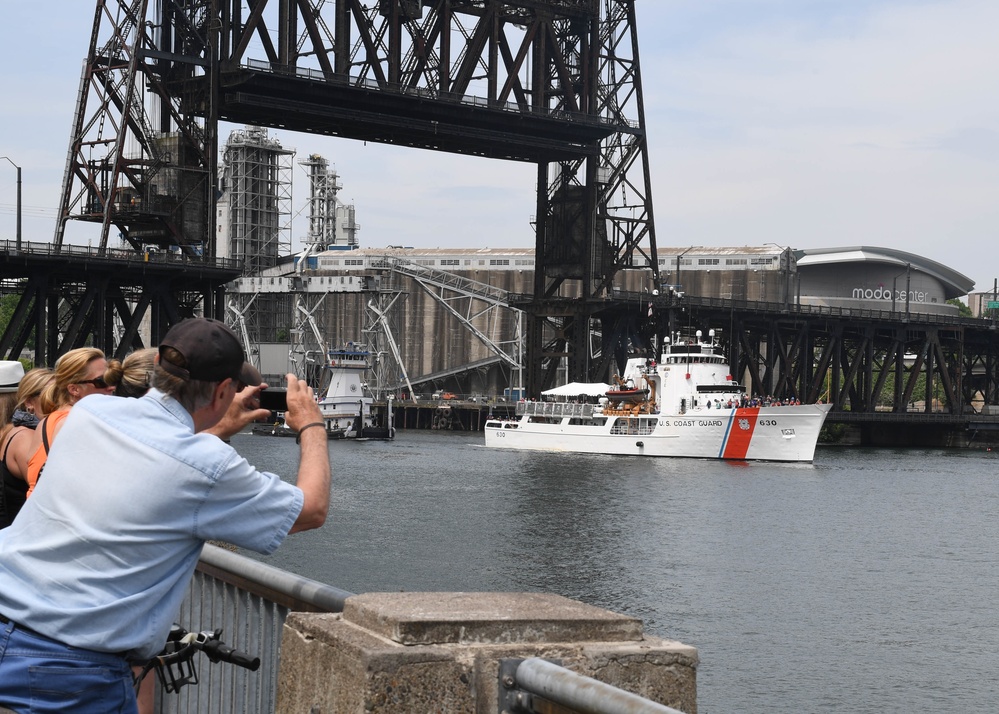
pixel 77 374
pixel 15 441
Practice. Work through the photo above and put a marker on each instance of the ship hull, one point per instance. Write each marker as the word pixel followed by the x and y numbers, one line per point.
pixel 346 423
pixel 785 433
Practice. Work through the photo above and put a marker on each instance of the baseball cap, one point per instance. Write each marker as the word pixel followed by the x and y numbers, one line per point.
pixel 211 352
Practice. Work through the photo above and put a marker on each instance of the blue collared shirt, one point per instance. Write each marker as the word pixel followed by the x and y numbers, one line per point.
pixel 101 555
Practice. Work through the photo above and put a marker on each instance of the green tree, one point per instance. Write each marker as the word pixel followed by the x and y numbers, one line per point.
pixel 963 310
pixel 8 303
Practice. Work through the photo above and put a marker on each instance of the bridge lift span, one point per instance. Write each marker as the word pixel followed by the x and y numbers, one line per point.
pixel 556 83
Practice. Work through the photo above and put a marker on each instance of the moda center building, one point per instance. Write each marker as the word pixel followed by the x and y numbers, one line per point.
pixel 862 277
pixel 878 279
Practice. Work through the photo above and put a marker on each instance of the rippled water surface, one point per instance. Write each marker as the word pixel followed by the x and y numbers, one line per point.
pixel 865 582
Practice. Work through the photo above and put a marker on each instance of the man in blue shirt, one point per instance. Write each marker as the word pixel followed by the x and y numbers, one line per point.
pixel 94 568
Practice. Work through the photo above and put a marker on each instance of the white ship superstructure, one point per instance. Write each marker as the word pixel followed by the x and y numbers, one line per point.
pixel 687 404
pixel 348 407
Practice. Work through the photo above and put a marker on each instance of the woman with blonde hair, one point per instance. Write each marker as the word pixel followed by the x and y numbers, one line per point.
pixel 28 409
pixel 131 376
pixel 77 374
pixel 15 443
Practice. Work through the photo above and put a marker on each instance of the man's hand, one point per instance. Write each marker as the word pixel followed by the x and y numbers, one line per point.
pixel 314 461
pixel 245 408
pixel 302 406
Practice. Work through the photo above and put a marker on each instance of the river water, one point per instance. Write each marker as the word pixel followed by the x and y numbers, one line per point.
pixel 864 582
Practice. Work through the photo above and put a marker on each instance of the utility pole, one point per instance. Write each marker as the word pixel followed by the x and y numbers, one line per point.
pixel 678 266
pixel 908 282
pixel 18 234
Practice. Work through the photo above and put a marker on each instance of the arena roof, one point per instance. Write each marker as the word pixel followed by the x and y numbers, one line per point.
pixel 955 283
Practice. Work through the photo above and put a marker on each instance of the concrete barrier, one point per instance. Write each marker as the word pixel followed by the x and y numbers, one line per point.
pixel 401 653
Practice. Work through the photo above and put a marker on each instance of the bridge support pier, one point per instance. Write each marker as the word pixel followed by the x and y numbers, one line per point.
pixel 420 652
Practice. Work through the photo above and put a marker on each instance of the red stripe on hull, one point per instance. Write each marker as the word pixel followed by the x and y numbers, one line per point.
pixel 739 437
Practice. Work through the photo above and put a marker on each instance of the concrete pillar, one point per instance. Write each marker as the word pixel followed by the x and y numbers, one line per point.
pixel 399 653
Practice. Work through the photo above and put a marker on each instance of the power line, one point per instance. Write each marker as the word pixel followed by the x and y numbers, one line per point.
pixel 35 211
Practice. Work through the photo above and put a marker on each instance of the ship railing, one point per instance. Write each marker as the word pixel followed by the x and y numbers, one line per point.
pixel 250 601
pixel 556 410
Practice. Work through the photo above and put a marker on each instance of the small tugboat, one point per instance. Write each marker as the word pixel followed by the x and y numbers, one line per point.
pixel 348 407
pixel 686 405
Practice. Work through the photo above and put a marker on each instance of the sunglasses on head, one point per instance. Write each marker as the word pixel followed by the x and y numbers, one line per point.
pixel 96 381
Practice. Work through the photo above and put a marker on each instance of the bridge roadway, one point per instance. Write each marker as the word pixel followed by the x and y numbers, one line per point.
pixel 71 296
pixel 874 365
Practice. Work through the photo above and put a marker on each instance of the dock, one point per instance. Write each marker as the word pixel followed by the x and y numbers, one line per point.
pixel 449 415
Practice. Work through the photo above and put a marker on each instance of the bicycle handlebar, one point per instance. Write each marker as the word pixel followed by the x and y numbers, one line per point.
pixel 219 651
pixel 174 666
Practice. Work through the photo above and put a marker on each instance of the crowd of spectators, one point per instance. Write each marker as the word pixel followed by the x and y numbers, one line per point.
pixel 747 402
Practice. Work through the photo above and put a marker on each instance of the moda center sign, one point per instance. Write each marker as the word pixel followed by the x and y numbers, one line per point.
pixel 884 293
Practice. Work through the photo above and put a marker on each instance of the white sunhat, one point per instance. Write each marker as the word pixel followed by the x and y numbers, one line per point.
pixel 11 372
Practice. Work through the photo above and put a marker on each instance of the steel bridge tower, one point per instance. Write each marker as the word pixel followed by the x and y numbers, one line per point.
pixel 556 83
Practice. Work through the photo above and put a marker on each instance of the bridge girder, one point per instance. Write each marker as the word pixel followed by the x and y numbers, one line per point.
pixel 76 297
pixel 863 364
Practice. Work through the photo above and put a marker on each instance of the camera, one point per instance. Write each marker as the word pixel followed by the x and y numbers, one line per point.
pixel 275 399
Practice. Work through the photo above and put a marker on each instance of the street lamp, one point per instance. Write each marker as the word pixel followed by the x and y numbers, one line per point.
pixel 678 266
pixel 18 234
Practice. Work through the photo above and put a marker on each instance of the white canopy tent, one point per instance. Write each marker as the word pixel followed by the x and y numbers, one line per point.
pixel 574 389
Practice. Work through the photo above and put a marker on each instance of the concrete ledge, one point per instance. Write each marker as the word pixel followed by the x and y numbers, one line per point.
pixel 403 653
pixel 486 618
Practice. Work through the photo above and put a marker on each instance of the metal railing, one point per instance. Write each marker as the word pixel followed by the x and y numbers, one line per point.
pixel 524 682
pixel 555 409
pixel 111 255
pixel 521 300
pixel 250 601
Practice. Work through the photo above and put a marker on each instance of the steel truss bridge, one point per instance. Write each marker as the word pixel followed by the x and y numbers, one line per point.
pixel 864 362
pixel 883 369
pixel 556 83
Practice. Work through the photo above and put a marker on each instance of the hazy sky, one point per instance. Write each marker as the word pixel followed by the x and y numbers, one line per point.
pixel 809 123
